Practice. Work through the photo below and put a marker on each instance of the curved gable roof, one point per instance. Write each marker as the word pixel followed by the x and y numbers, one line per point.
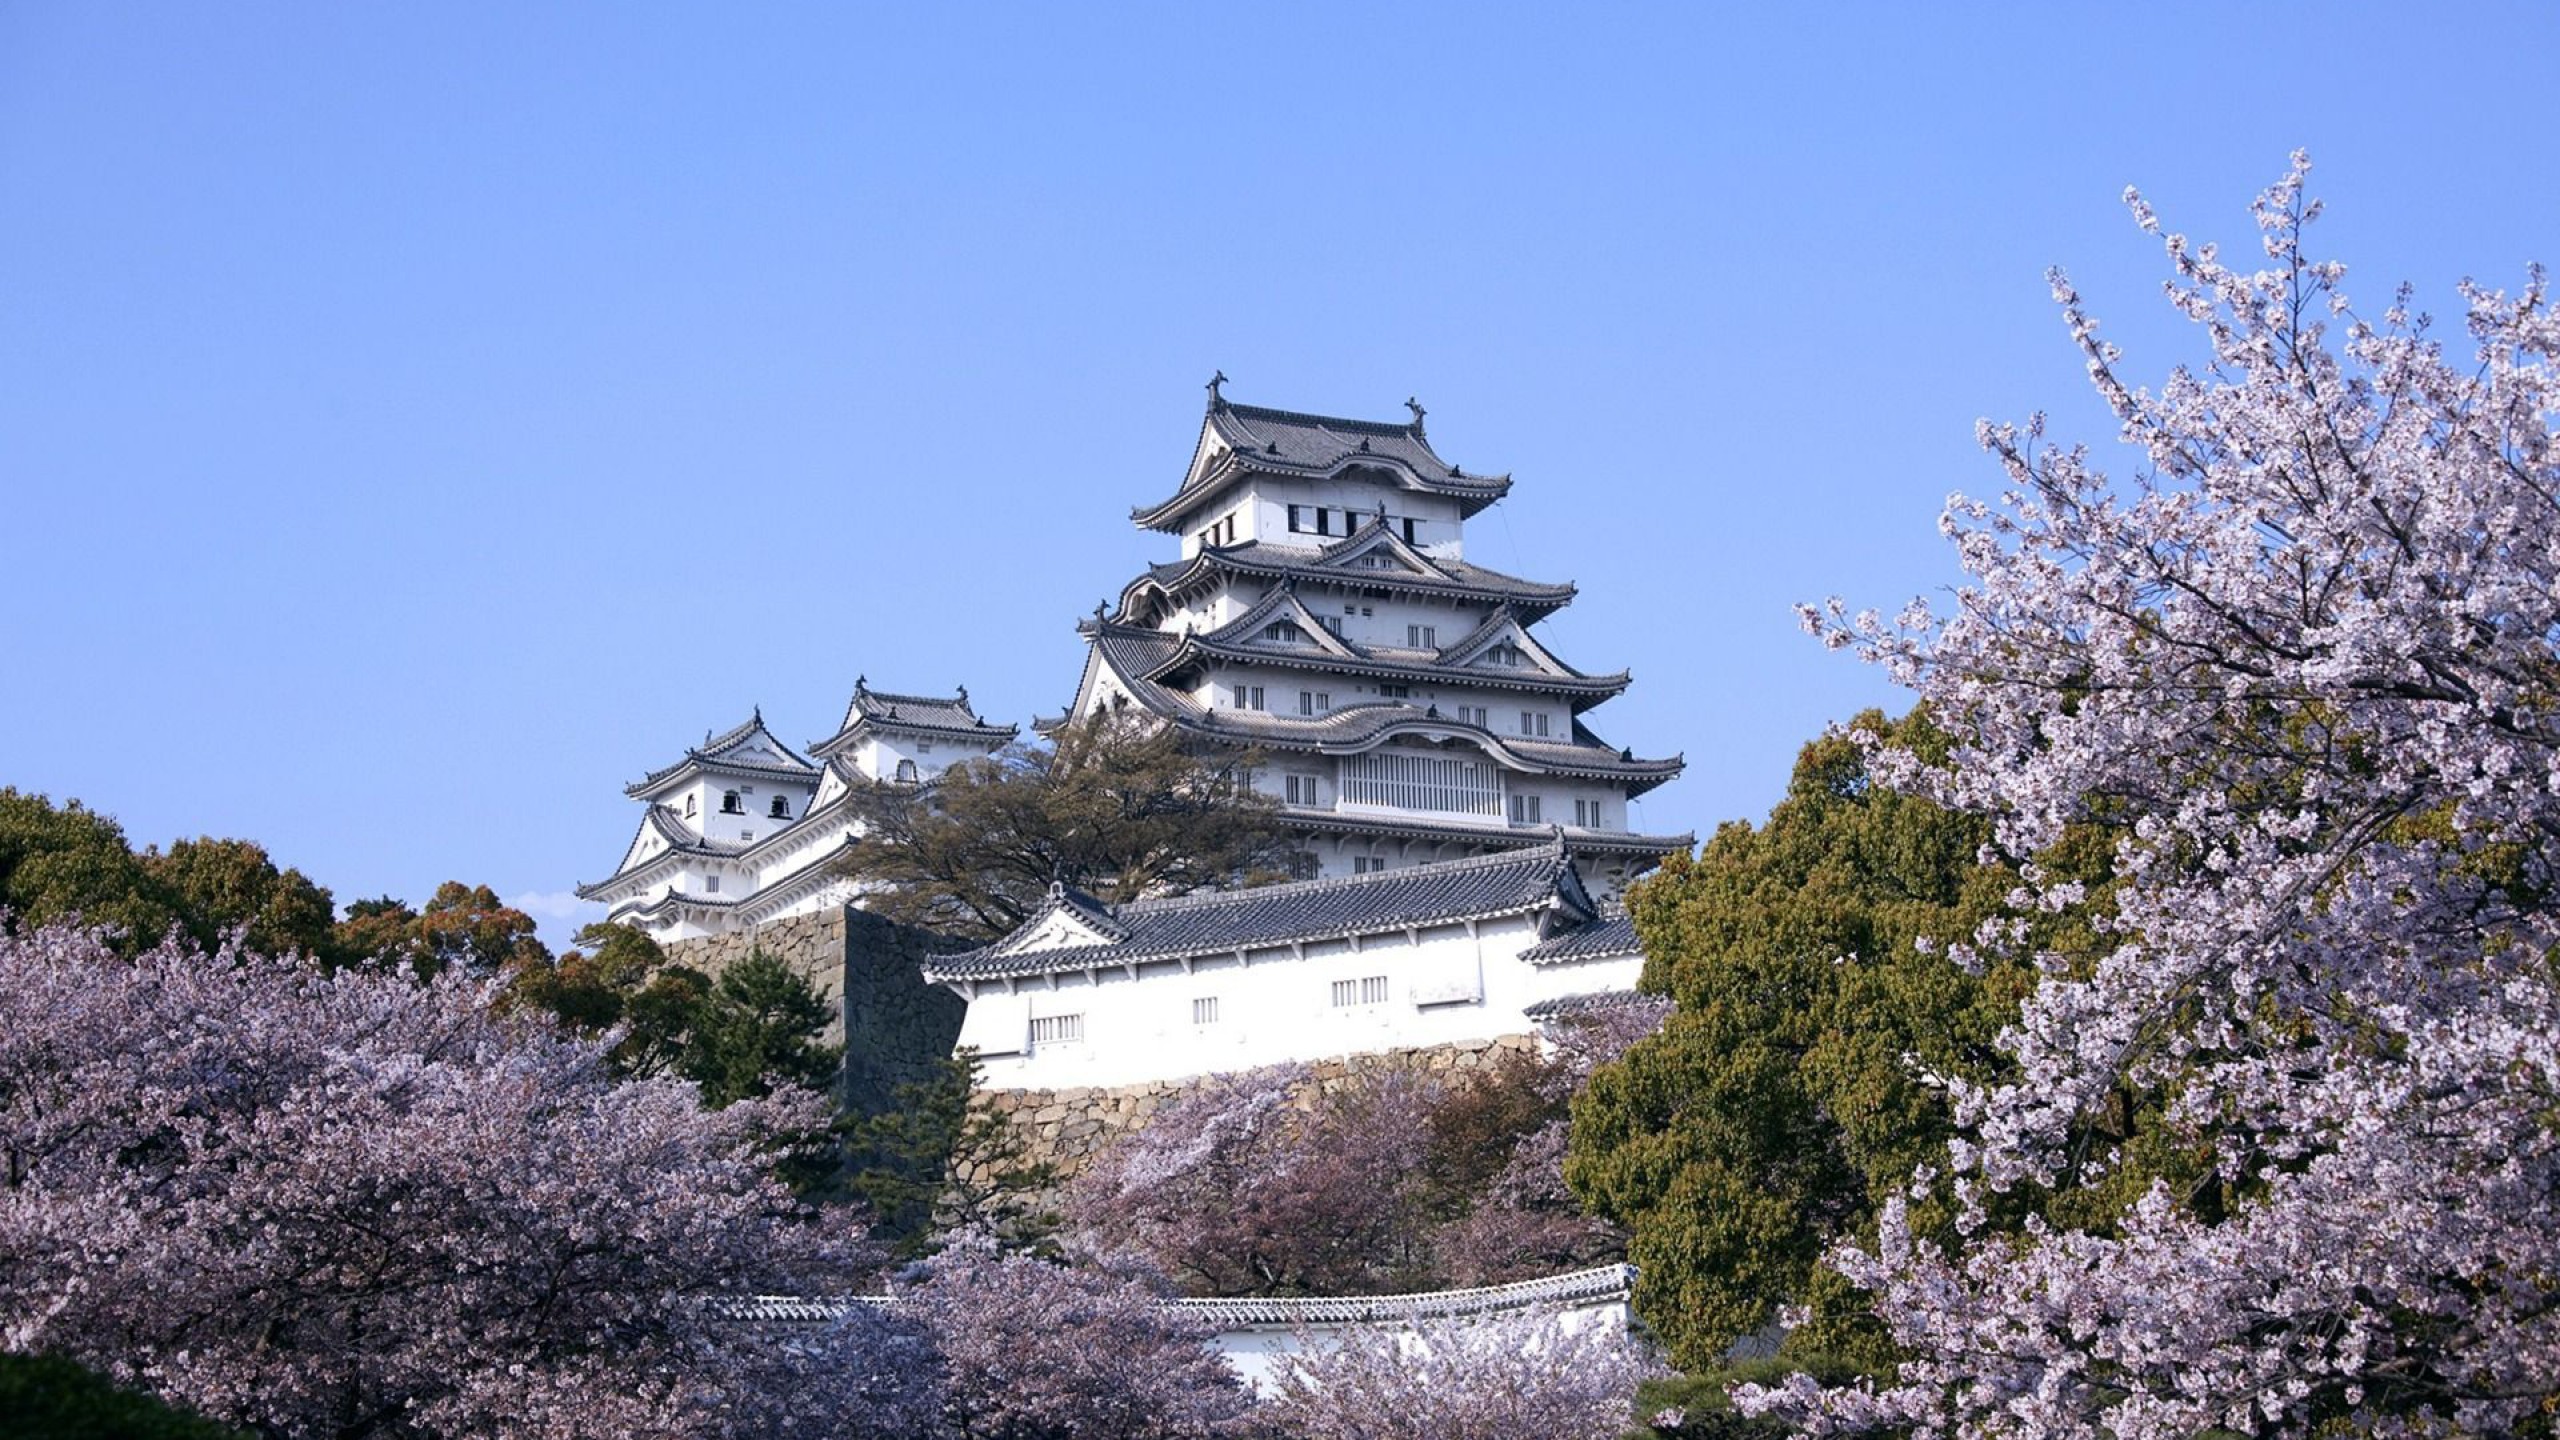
pixel 1539 878
pixel 1240 440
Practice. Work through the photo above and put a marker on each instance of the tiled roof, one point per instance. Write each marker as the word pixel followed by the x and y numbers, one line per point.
pixel 1223 922
pixel 681 840
pixel 1389 822
pixel 931 714
pixel 1594 1002
pixel 1614 934
pixel 1606 1284
pixel 1254 439
pixel 1581 1287
pixel 746 749
pixel 1263 559
pixel 1240 639
pixel 1138 655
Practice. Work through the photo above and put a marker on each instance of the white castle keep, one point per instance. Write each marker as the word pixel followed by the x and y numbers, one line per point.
pixel 1323 612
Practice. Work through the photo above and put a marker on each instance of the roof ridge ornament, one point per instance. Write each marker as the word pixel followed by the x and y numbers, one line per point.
pixel 1410 403
pixel 1216 400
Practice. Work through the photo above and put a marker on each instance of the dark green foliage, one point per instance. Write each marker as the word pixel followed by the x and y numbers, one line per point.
pixel 1777 1106
pixel 217 886
pixel 759 1026
pixel 45 1397
pixel 618 976
pixel 931 1164
pixel 57 861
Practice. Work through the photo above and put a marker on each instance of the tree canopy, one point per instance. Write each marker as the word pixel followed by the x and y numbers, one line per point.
pixel 1118 806
pixel 362 1205
pixel 2301 664
pixel 1781 1100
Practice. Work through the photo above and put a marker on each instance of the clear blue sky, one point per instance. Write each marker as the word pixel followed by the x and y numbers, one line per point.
pixel 415 422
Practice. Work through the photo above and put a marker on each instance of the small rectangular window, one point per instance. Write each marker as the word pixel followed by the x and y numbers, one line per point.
pixel 1332 623
pixel 1324 521
pixel 1248 697
pixel 1524 810
pixel 1204 1010
pixel 1396 692
pixel 1302 789
pixel 1367 990
pixel 710 884
pixel 1422 637
pixel 1408 530
pixel 1055 1029
pixel 1367 864
pixel 1297 518
pixel 1306 702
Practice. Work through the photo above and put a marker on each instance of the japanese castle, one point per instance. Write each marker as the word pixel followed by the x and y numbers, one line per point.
pixel 1323 612
pixel 742 829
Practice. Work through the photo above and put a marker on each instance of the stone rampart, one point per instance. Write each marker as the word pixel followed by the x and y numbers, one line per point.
pixel 894 1026
pixel 1067 1128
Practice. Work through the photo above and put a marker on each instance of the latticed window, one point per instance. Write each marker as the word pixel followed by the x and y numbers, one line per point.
pixel 1052 1029
pixel 1422 782
pixel 1367 990
pixel 1204 1010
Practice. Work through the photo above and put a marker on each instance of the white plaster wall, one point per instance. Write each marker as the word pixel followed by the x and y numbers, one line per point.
pixel 1436 530
pixel 1255 1351
pixel 1274 1007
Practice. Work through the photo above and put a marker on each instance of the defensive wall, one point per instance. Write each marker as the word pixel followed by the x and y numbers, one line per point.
pixel 894 1026
pixel 1067 1128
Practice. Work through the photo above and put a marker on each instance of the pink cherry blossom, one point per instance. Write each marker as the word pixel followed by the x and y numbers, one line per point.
pixel 2305 657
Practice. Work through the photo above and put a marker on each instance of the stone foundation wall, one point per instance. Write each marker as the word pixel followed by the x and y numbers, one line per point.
pixel 895 1028
pixel 1067 1128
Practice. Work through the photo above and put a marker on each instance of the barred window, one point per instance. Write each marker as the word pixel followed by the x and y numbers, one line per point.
pixel 1049 1029
pixel 1367 990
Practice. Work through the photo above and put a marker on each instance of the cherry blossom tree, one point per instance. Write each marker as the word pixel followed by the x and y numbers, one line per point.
pixel 1251 1185
pixel 2304 661
pixel 1033 1350
pixel 356 1205
pixel 1492 1379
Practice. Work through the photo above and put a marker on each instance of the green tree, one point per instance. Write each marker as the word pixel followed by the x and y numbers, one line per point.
pixel 930 1163
pixel 760 1025
pixel 616 977
pixel 71 860
pixel 218 886
pixel 1118 806
pixel 63 860
pixel 1788 1089
pixel 462 925
pixel 46 1397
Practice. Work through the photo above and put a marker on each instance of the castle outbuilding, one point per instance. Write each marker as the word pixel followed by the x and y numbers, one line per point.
pixel 1088 994
pixel 1323 612
pixel 742 829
